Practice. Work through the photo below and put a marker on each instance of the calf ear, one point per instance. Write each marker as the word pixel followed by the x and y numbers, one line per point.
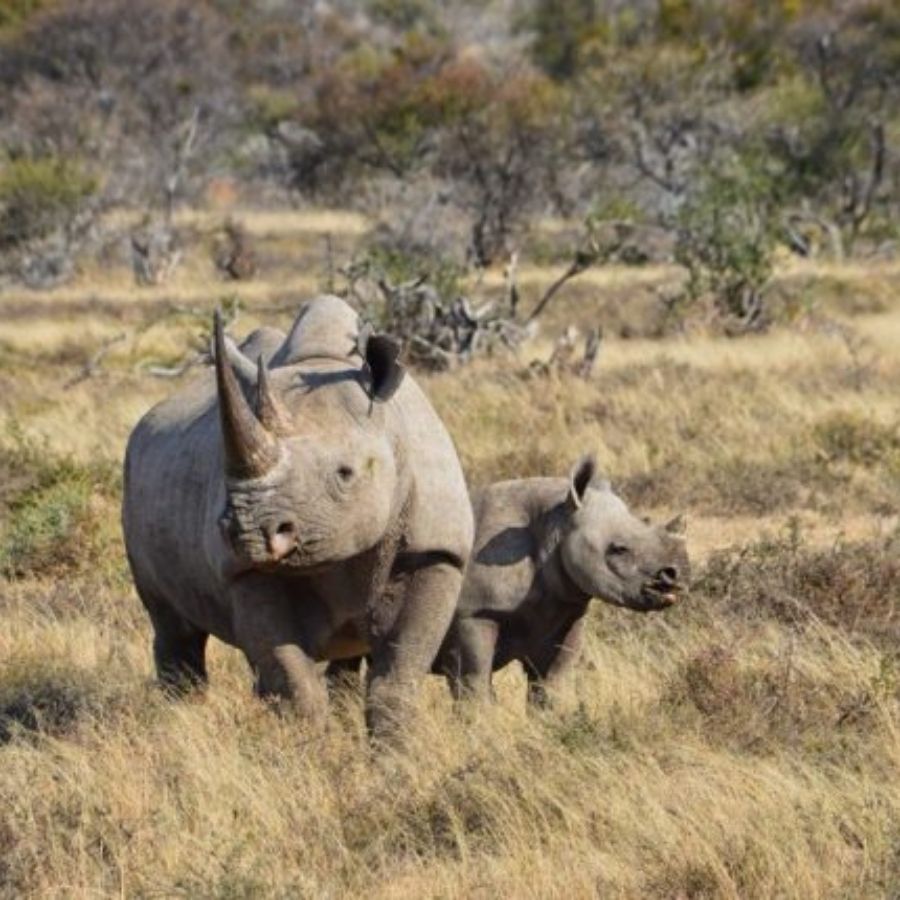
pixel 381 357
pixel 678 525
pixel 582 475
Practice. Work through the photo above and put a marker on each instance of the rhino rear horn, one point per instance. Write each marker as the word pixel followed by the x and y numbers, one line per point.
pixel 246 370
pixel 272 413
pixel 250 450
pixel 381 354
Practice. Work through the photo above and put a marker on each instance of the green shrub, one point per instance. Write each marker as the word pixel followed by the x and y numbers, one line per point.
pixel 39 195
pixel 563 34
pixel 726 239
pixel 406 14
pixel 50 515
pixel 270 105
pixel 14 13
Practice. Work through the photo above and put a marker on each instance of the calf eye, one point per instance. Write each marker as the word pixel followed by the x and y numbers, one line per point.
pixel 618 550
pixel 345 473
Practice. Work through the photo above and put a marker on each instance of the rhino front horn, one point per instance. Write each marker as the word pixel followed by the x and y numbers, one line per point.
pixel 250 450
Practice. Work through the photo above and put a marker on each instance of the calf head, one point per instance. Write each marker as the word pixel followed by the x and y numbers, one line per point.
pixel 310 470
pixel 611 554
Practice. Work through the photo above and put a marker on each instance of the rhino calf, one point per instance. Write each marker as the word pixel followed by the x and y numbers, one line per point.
pixel 305 504
pixel 544 547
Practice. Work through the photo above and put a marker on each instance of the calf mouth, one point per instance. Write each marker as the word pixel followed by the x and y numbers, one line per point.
pixel 657 596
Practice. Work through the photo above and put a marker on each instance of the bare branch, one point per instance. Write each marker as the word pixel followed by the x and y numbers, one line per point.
pixel 93 366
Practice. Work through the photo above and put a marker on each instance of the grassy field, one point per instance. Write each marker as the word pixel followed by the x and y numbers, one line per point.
pixel 745 744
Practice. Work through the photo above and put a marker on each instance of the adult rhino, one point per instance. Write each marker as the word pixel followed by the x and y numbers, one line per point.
pixel 309 506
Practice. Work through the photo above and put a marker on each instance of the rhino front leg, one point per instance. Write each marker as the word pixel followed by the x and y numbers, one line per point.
pixel 405 654
pixel 274 640
pixel 547 672
pixel 179 649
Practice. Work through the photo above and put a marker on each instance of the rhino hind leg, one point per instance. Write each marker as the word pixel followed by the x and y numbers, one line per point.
pixel 405 654
pixel 179 650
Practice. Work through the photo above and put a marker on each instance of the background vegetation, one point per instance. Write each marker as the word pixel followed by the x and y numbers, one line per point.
pixel 458 125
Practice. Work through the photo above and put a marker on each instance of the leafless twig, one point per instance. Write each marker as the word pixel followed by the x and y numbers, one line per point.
pixel 94 365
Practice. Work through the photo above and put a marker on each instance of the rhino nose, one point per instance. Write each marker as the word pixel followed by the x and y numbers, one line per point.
pixel 667 576
pixel 281 538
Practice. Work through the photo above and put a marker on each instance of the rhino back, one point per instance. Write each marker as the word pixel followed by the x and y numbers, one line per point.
pixel 326 326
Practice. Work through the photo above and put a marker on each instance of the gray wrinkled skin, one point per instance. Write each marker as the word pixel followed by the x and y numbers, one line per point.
pixel 340 526
pixel 544 547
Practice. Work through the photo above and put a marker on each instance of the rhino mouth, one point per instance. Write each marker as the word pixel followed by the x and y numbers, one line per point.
pixel 656 596
pixel 304 558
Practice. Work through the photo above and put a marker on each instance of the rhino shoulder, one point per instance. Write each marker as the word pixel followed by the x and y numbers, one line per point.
pixel 440 516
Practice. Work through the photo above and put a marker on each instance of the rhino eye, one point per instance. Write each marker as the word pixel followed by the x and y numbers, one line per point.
pixel 618 550
pixel 345 473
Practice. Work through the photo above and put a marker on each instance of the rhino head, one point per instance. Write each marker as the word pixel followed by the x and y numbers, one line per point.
pixel 310 469
pixel 611 554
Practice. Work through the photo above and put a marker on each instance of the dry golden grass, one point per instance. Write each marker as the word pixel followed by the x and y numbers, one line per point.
pixel 744 745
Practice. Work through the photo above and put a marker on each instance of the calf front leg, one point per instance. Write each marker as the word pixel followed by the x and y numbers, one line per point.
pixel 401 657
pixel 467 658
pixel 546 672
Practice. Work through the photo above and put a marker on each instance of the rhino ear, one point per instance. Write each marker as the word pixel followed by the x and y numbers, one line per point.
pixel 381 354
pixel 581 476
pixel 678 525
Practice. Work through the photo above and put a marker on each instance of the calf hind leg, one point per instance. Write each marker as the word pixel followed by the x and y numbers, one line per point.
pixel 467 658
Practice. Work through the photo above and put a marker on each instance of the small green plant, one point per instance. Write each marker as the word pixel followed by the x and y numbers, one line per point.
pixel 271 105
pixel 15 13
pixel 38 195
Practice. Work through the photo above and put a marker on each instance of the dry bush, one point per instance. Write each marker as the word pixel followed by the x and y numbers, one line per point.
pixel 851 586
pixel 44 695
